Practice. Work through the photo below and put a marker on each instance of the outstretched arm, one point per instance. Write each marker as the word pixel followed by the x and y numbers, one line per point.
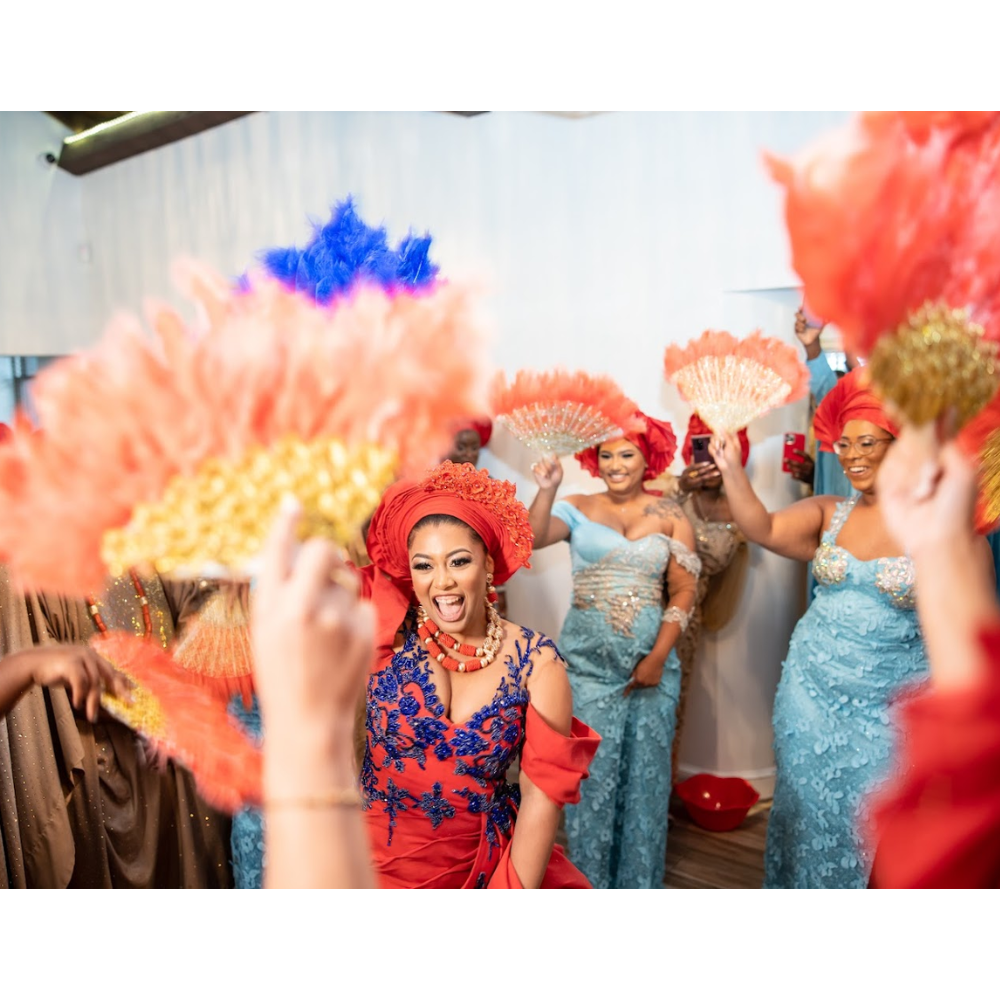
pixel 928 496
pixel 936 823
pixel 538 817
pixel 313 645
pixel 79 668
pixel 794 532
pixel 546 529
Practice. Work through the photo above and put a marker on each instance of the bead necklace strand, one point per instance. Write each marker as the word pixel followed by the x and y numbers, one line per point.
pixel 434 638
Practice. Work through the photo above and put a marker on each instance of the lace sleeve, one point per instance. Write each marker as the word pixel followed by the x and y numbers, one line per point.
pixel 685 558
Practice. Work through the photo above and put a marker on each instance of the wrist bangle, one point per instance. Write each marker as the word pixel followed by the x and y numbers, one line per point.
pixel 333 798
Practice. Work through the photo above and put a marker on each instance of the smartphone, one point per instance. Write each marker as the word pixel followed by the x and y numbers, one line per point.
pixel 793 443
pixel 699 449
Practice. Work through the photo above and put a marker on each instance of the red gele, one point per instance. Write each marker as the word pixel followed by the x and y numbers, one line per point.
pixel 716 803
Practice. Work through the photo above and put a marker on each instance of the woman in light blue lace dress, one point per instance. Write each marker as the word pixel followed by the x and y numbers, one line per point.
pixel 856 648
pixel 632 552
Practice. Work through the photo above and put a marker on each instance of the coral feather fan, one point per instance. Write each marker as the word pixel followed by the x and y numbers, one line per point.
pixel 894 224
pixel 561 412
pixel 215 648
pixel 184 721
pixel 174 450
pixel 730 382
pixel 979 439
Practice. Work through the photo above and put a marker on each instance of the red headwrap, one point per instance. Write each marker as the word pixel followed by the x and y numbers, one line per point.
pixel 850 399
pixel 698 426
pixel 483 426
pixel 657 442
pixel 489 506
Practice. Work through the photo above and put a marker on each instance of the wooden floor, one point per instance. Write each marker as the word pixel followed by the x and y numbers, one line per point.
pixel 699 859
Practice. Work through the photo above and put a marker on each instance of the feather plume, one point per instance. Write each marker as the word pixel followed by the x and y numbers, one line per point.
pixel 894 223
pixel 560 412
pixel 233 407
pixel 187 722
pixel 344 252
pixel 730 382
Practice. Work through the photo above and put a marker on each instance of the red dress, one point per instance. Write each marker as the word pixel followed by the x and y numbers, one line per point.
pixel 439 809
pixel 938 824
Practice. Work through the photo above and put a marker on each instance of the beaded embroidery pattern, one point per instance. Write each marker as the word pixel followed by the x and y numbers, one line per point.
pixel 405 722
pixel 627 580
pixel 894 576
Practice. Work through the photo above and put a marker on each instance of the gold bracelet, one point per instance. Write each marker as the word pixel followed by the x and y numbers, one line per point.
pixel 323 800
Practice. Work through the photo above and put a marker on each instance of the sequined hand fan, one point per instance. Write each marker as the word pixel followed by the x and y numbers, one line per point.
pixel 894 224
pixel 730 382
pixel 215 647
pixel 560 412
pixel 187 722
pixel 173 451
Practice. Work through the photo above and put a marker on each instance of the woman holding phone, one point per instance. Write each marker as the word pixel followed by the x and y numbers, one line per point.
pixel 719 544
pixel 634 578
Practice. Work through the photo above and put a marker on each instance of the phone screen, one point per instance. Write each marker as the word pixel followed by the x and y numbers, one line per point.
pixel 699 449
pixel 793 443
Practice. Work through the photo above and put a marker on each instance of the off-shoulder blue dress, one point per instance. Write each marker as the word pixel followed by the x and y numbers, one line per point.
pixel 617 833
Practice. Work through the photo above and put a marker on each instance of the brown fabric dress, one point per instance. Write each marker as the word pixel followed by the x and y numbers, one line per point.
pixel 79 804
pixel 722 548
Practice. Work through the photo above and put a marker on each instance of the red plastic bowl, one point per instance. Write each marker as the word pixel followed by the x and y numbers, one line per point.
pixel 716 803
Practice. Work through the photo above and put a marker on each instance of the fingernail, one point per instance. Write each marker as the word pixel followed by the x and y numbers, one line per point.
pixel 290 504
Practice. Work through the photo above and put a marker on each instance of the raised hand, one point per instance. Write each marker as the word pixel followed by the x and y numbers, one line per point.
pixel 548 472
pixel 808 335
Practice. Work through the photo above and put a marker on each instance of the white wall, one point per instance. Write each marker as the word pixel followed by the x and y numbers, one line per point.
pixel 599 241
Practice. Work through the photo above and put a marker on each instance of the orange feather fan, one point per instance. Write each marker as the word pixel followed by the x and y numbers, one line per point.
pixel 979 439
pixel 730 382
pixel 184 721
pixel 560 412
pixel 894 224
pixel 174 450
pixel 215 647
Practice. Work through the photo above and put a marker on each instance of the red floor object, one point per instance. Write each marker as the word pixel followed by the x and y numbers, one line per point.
pixel 716 803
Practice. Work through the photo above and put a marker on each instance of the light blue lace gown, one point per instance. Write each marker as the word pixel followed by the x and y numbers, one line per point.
pixel 852 652
pixel 247 838
pixel 617 833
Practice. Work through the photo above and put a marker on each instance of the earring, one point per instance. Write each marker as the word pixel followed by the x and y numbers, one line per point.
pixel 491 591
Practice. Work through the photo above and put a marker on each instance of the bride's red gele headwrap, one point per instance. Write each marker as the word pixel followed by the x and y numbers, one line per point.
pixel 656 441
pixel 488 506
pixel 850 399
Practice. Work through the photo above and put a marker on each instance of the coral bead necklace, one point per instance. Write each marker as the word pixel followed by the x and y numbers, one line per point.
pixel 481 656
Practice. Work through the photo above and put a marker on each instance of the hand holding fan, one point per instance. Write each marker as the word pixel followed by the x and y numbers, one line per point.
pixel 173 451
pixel 730 382
pixel 559 412
pixel 188 722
